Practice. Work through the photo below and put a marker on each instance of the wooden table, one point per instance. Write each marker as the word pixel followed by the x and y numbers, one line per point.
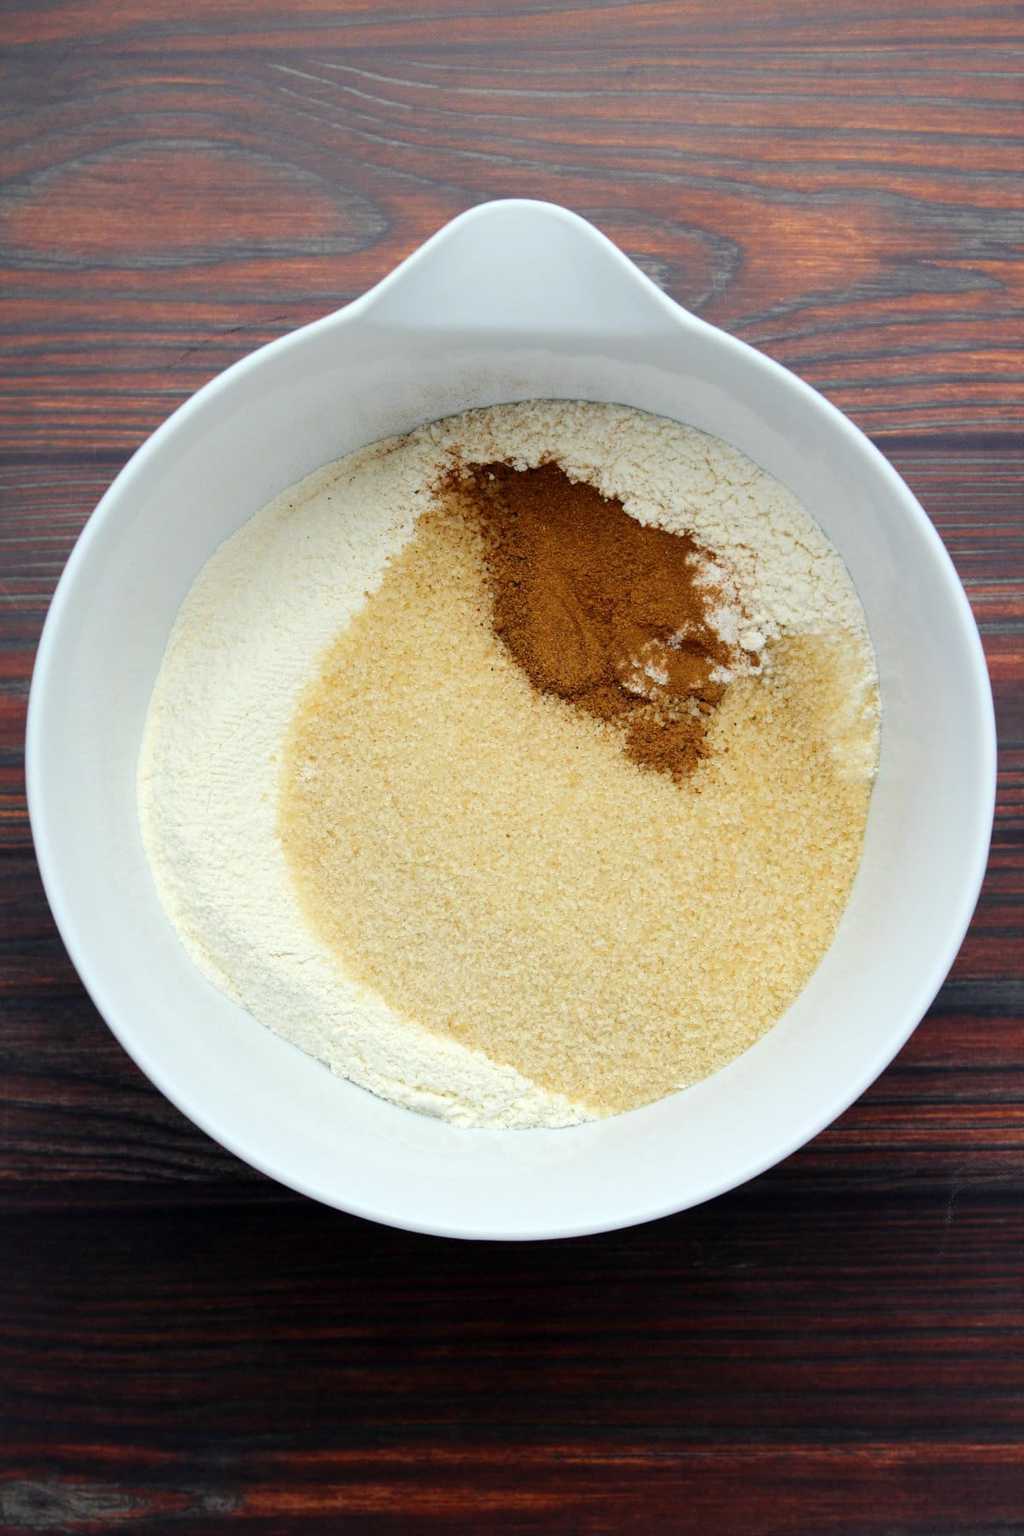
pixel 834 1348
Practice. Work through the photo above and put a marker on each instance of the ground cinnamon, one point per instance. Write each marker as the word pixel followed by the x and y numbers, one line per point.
pixel 600 610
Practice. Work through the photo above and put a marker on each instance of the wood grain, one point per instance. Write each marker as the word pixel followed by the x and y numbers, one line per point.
pixel 833 1349
pixel 831 190
pixel 819 1356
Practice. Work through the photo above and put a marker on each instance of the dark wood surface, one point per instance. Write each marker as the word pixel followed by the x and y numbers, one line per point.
pixel 836 1348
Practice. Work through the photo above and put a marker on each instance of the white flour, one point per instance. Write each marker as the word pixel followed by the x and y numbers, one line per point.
pixel 249 637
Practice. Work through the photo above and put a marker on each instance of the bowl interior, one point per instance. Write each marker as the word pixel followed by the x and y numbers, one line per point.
pixel 436 339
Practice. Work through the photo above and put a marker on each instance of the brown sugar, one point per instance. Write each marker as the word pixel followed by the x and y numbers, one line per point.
pixel 488 860
pixel 600 610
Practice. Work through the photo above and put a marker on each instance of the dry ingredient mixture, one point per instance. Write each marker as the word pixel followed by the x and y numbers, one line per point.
pixel 517 768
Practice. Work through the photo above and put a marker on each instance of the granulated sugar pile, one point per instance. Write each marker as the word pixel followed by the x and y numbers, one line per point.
pixel 395 849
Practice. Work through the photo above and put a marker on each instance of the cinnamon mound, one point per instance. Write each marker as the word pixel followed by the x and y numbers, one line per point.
pixel 600 610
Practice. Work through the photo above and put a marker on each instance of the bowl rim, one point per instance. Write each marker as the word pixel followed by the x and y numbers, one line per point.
pixel 47 656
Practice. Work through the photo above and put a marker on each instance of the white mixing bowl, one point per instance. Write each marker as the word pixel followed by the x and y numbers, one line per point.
pixel 512 300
